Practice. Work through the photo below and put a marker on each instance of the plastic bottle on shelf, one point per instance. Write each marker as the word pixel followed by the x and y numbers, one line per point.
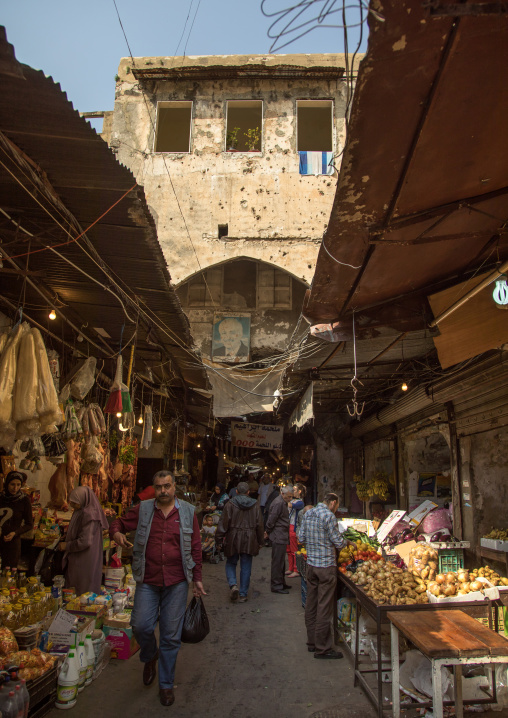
pixel 58 584
pixel 8 617
pixel 22 579
pixel 90 658
pixel 8 703
pixel 19 700
pixel 67 686
pixel 32 585
pixel 9 581
pixel 82 666
pixel 18 612
pixel 26 697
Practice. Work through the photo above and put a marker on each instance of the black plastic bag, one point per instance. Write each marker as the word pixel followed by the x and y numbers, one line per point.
pixel 195 622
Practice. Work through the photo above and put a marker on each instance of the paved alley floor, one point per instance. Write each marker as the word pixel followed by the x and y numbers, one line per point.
pixel 254 663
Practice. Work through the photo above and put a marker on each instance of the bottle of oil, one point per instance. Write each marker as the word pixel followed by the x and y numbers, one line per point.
pixel 22 580
pixel 9 619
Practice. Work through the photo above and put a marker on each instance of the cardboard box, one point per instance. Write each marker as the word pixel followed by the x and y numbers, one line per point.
pixel 363 525
pixel 59 632
pixel 96 611
pixel 388 524
pixel 416 517
pixel 122 641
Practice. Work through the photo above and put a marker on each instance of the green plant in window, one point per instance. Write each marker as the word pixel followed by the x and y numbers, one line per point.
pixel 252 138
pixel 232 138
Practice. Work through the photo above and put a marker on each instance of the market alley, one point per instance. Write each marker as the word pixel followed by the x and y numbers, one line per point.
pixel 254 663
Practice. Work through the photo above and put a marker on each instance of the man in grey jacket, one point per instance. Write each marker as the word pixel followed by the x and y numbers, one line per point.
pixel 166 559
pixel 241 527
pixel 277 530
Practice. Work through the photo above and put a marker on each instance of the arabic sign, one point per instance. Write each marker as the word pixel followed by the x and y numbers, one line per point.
pixel 256 436
pixel 304 411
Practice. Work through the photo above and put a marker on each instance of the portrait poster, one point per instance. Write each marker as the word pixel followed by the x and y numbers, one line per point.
pixel 231 338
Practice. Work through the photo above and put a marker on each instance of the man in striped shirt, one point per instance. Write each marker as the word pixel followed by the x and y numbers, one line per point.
pixel 321 536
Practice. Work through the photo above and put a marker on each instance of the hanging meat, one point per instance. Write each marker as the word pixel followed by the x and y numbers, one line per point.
pixel 73 464
pixel 58 488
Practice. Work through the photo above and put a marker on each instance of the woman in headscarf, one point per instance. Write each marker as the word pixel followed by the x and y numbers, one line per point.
pixel 217 499
pixel 15 519
pixel 82 560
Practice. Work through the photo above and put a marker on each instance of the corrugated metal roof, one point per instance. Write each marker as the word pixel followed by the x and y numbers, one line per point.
pixel 70 160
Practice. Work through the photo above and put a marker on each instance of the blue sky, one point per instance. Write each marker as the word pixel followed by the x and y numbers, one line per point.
pixel 80 44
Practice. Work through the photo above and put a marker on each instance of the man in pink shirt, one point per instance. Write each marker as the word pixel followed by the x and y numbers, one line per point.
pixel 166 558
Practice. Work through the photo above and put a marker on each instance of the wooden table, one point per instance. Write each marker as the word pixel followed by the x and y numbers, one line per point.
pixel 446 638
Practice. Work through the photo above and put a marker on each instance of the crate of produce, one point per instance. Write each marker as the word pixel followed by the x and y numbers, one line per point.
pixel 304 591
pixel 450 559
pixel 42 693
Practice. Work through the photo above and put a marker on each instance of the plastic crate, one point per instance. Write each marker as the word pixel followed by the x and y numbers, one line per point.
pixel 304 591
pixel 450 559
pixel 42 693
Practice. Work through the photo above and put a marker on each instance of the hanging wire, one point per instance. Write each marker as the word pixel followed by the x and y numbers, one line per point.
pixel 355 410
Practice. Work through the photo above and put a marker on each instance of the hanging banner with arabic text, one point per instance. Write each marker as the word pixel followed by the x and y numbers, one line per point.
pixel 256 436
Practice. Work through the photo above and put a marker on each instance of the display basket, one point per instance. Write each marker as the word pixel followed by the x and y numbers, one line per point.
pixel 42 693
pixel 304 591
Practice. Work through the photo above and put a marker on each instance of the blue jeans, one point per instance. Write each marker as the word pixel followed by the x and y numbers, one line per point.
pixel 245 569
pixel 165 604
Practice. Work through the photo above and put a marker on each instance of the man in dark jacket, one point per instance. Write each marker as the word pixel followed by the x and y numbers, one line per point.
pixel 277 530
pixel 241 528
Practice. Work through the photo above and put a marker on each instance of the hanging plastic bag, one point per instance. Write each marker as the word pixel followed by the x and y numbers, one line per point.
pixel 83 379
pixel 147 428
pixel 114 403
pixel 126 400
pixel 47 405
pixel 24 411
pixel 196 626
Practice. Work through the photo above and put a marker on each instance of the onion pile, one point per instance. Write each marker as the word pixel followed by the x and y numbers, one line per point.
pixel 455 584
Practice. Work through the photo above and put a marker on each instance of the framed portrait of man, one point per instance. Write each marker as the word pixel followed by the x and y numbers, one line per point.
pixel 231 338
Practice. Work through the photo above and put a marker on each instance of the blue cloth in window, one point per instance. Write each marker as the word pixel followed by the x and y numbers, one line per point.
pixel 316 163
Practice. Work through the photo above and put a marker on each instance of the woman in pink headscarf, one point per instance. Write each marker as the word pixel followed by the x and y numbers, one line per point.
pixel 82 561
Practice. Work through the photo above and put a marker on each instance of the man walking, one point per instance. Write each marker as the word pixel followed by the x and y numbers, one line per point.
pixel 321 536
pixel 277 530
pixel 241 527
pixel 165 559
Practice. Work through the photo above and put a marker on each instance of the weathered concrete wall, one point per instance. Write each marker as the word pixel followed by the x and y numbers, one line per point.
pixel 483 471
pixel 272 212
pixel 330 473
pixel 423 450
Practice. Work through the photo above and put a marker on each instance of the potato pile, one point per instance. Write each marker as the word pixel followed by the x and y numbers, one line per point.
pixel 490 574
pixel 423 562
pixel 387 584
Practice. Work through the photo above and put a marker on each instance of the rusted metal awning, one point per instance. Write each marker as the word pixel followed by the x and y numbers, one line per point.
pixel 57 177
pixel 422 198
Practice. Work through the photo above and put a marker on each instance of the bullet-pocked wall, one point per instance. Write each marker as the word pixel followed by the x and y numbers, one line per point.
pixel 219 157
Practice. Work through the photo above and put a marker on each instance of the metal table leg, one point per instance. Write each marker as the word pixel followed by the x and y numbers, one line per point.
pixel 437 689
pixel 395 671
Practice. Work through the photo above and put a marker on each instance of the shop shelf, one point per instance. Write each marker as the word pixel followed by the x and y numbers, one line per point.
pixel 450 559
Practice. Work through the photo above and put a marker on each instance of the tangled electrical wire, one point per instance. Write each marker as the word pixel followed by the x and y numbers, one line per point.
pixel 295 21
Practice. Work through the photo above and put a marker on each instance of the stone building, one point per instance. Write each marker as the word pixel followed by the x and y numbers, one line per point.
pixel 238 158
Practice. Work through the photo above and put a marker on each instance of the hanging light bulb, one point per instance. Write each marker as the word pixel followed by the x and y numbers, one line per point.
pixel 140 420
pixel 404 387
pixel 52 314
pixel 118 414
pixel 159 429
pixel 199 446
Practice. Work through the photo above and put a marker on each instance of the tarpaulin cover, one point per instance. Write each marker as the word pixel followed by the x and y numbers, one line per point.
pixel 237 392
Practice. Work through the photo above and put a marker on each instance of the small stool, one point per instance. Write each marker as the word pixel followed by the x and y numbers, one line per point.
pixel 446 638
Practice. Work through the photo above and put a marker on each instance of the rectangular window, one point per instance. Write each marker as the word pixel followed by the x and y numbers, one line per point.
pixel 173 127
pixel 274 289
pixel 244 125
pixel 205 294
pixel 314 125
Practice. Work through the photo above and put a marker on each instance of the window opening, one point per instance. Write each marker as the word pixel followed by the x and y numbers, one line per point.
pixel 199 291
pixel 314 125
pixel 173 127
pixel 223 230
pixel 274 289
pixel 244 125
